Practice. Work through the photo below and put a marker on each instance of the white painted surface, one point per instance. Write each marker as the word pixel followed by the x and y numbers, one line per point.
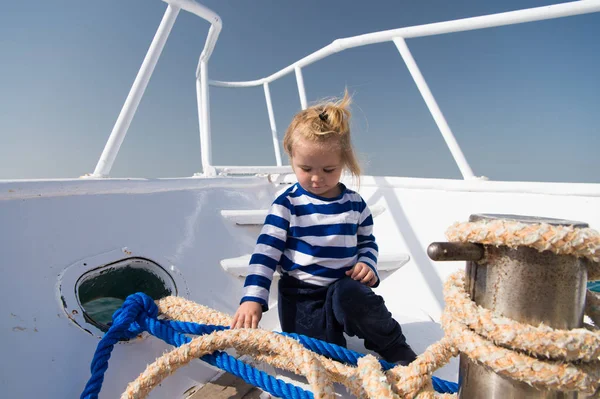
pixel 42 236
pixel 49 225
pixel 256 217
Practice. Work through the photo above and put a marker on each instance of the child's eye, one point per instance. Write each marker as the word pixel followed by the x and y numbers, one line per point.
pixel 305 169
pixel 328 170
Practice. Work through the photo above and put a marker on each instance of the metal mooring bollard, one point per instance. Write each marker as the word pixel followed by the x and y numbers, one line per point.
pixel 525 285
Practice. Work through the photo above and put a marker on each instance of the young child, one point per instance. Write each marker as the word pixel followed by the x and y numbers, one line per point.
pixel 320 235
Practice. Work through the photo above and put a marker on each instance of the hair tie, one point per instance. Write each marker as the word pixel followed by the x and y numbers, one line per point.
pixel 323 116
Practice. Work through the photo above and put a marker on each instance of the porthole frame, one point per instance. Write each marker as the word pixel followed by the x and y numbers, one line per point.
pixel 71 277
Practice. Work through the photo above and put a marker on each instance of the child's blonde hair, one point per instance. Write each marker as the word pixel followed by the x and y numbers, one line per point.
pixel 327 122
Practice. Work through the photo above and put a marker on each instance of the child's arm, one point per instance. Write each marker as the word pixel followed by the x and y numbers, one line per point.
pixel 363 273
pixel 263 263
pixel 248 315
pixel 367 247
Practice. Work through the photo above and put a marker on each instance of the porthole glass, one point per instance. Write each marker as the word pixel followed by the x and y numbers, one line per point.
pixel 103 290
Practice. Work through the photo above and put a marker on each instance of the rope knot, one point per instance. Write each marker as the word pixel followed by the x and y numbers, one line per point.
pixel 134 305
pixel 134 309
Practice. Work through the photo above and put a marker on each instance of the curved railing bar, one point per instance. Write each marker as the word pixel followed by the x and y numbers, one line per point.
pixel 140 83
pixel 437 28
pixel 398 36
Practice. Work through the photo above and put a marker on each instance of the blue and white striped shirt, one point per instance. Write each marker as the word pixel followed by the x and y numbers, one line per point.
pixel 311 238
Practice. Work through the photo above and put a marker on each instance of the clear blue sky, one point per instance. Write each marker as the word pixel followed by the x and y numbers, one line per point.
pixel 523 101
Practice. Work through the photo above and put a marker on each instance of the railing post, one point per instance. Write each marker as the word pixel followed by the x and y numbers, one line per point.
pixel 202 96
pixel 438 117
pixel 272 123
pixel 111 149
pixel 300 82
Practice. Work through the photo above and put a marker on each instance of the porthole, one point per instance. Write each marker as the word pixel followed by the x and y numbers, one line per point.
pixel 101 291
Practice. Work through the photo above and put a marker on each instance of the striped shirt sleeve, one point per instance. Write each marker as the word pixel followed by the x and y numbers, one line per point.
pixel 267 253
pixel 367 247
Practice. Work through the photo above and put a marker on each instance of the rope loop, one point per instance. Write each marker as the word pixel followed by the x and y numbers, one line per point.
pixel 540 356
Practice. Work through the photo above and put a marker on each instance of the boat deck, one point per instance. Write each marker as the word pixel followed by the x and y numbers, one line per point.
pixel 228 386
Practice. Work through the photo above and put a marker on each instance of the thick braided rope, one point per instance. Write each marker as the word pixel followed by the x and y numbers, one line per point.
pixel 337 372
pixel 373 379
pixel 543 341
pixel 549 374
pixel 541 374
pixel 575 345
pixel 139 313
pixel 241 340
pixel 173 332
pixel 181 309
pixel 345 355
pixel 408 381
pixel 561 240
pixel 247 341
pixel 401 381
pixel 463 321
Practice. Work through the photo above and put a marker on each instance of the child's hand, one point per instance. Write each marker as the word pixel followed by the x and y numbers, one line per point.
pixel 248 315
pixel 363 273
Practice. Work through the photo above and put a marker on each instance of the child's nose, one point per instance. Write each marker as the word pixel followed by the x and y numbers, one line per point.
pixel 315 178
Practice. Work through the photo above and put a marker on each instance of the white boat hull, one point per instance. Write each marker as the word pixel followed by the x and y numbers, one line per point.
pixel 51 225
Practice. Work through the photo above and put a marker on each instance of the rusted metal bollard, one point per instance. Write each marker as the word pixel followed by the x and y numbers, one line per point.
pixel 522 284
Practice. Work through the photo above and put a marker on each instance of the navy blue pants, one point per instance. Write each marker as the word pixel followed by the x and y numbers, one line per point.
pixel 348 306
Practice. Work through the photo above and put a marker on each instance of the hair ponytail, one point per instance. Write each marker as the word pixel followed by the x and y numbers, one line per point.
pixel 336 115
pixel 327 122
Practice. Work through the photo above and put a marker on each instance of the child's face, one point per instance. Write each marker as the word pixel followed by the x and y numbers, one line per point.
pixel 318 167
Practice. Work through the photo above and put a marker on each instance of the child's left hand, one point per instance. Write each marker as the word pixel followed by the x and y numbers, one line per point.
pixel 363 273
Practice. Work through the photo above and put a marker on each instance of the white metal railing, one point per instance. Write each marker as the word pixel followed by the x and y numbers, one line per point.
pixel 136 92
pixel 398 36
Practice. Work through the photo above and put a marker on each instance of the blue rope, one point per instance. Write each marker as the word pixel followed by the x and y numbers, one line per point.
pixel 139 313
pixel 123 327
pixel 141 319
pixel 345 355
